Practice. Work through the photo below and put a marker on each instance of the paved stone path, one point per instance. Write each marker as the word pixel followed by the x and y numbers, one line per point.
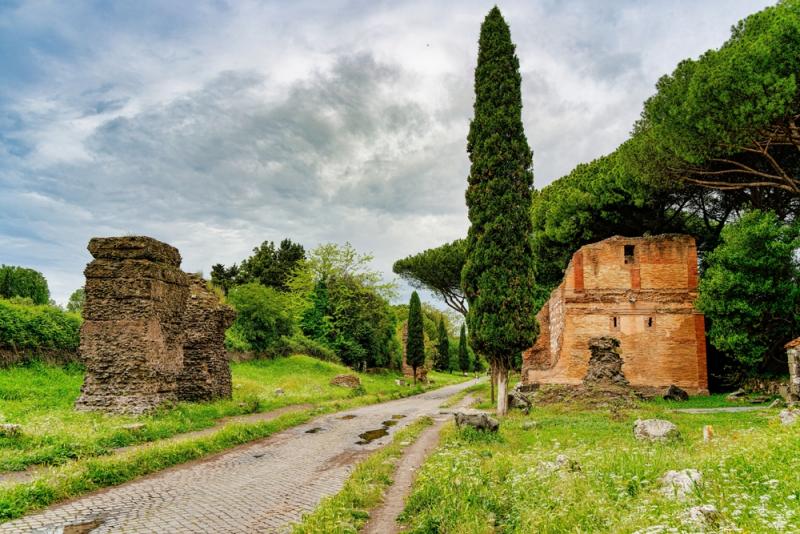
pixel 260 487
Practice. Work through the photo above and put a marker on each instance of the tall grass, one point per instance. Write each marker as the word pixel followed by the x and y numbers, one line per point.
pixel 477 483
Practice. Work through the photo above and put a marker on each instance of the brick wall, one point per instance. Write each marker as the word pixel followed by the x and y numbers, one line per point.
pixel 643 298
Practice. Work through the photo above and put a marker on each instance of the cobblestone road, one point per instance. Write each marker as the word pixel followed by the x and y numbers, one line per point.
pixel 260 487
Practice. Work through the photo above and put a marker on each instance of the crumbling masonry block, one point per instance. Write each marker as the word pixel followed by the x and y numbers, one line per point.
pixel 138 320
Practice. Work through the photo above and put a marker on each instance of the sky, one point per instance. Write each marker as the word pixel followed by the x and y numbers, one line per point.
pixel 216 125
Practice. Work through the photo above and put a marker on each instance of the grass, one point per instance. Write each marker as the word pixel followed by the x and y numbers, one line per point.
pixel 40 397
pixel 479 483
pixel 348 510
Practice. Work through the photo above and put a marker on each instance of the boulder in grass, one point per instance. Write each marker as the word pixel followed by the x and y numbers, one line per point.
pixel 705 515
pixel 655 430
pixel 10 430
pixel 674 393
pixel 681 483
pixel 789 416
pixel 346 381
pixel 134 427
pixel 279 392
pixel 476 419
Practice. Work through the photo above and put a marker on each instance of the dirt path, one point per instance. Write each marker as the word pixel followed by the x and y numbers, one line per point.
pixel 383 520
pixel 263 486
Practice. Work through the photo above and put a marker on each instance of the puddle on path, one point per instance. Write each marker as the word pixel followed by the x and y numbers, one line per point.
pixel 314 430
pixel 82 528
pixel 349 416
pixel 371 435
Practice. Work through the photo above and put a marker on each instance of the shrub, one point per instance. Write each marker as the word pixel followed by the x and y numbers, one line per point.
pixel 38 327
pixel 262 317
pixel 750 291
pixel 300 344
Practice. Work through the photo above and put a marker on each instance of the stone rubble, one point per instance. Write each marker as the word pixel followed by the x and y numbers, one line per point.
pixel 605 363
pixel 655 430
pixel 476 419
pixel 680 484
pixel 789 416
pixel 346 381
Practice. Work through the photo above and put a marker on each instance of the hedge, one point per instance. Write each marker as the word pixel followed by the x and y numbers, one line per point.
pixel 37 327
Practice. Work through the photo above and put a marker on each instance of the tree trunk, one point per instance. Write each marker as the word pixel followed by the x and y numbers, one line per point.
pixel 491 381
pixel 414 371
pixel 502 390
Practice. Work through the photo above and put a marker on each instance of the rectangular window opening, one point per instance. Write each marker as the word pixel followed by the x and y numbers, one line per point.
pixel 649 322
pixel 615 323
pixel 629 253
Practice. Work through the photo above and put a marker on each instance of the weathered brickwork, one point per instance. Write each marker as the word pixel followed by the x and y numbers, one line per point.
pixel 206 374
pixel 141 316
pixel 793 355
pixel 640 291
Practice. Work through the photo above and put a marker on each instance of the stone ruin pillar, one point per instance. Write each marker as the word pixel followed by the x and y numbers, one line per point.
pixel 605 363
pixel 206 374
pixel 132 335
pixel 793 355
pixel 151 333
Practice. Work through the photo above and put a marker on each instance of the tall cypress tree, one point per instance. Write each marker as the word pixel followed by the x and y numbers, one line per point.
pixel 415 344
pixel 463 355
pixel 442 347
pixel 498 276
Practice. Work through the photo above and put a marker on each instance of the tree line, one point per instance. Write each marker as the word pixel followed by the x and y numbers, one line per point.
pixel 715 155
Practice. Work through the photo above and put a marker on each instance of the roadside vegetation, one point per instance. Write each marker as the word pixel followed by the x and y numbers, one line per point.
pixel 348 510
pixel 479 482
pixel 40 397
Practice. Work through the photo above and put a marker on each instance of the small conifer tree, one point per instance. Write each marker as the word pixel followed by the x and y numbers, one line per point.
pixel 415 344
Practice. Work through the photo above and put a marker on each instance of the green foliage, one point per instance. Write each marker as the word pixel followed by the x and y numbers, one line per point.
pixel 38 327
pixel 498 275
pixel 343 305
pixel 415 343
pixel 76 301
pixel 728 119
pixel 438 270
pixel 269 266
pixel 464 362
pixel 300 344
pixel 442 361
pixel 224 277
pixel 262 318
pixel 750 291
pixel 23 282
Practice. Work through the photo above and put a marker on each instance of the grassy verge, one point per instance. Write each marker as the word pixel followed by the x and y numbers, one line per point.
pixel 458 397
pixel 348 510
pixel 478 483
pixel 40 397
pixel 90 474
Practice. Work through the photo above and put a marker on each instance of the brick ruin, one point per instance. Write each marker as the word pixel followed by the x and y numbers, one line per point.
pixel 793 355
pixel 151 333
pixel 640 291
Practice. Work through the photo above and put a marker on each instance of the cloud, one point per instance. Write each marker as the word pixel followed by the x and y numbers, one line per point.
pixel 220 126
